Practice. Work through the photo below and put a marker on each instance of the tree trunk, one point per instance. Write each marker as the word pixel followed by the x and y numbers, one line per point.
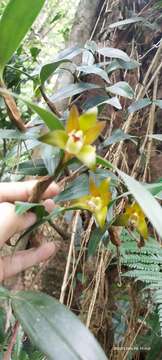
pixel 84 21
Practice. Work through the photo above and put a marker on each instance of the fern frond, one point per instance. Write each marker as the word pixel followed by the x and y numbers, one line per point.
pixel 143 266
pixel 139 258
pixel 146 266
pixel 144 275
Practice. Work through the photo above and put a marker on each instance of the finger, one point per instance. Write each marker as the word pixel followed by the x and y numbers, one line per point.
pixel 11 265
pixel 21 191
pixel 49 205
pixel 11 223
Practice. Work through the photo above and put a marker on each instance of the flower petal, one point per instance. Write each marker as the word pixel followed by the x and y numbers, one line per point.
pixel 87 156
pixel 82 202
pixel 104 191
pixel 55 138
pixel 88 119
pixel 100 216
pixel 142 227
pixel 73 120
pixel 122 220
pixel 92 134
pixel 134 216
pixel 93 189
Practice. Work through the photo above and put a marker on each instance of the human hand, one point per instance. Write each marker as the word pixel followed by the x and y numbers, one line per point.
pixel 11 223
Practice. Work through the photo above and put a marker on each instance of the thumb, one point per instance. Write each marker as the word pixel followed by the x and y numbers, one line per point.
pixel 11 223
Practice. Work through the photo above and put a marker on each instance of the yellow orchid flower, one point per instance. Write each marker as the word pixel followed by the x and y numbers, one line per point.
pixel 97 201
pixel 134 216
pixel 80 132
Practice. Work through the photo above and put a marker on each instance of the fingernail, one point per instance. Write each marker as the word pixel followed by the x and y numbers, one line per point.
pixel 49 205
pixel 56 188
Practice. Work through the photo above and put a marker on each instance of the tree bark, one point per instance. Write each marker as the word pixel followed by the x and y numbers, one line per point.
pixel 84 21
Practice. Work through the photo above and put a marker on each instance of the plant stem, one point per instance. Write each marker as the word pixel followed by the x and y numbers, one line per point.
pixel 8 353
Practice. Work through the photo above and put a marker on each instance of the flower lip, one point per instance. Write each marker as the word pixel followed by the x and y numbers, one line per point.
pixel 95 203
pixel 75 142
pixel 76 135
pixel 134 218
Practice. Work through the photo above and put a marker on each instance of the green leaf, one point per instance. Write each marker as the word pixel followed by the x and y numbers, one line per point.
pixel 4 293
pixel 48 69
pixel 121 88
pixel 125 22
pixel 77 188
pixel 104 162
pixel 114 101
pixel 17 135
pixel 114 53
pixel 120 64
pixel 73 89
pixel 48 117
pixel 31 167
pixel 51 157
pixel 56 331
pixel 34 52
pixel 15 22
pixel 69 53
pixel 149 205
pixel 93 69
pixel 101 100
pixel 154 188
pixel 117 135
pixel 101 174
pixel 138 105
pixel 22 207
pixel 95 238
pixel 158 103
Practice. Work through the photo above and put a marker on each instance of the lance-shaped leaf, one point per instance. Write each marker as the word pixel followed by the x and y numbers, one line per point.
pixel 48 69
pixel 138 105
pixel 125 22
pixel 93 69
pixel 117 135
pixel 101 100
pixel 15 22
pixel 73 89
pixel 114 53
pixel 77 188
pixel 158 103
pixel 121 88
pixel 120 64
pixel 53 329
pixel 48 117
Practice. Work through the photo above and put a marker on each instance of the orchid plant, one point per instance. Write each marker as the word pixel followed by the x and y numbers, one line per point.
pixel 80 132
pixel 97 200
pixel 134 216
pixel 76 140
